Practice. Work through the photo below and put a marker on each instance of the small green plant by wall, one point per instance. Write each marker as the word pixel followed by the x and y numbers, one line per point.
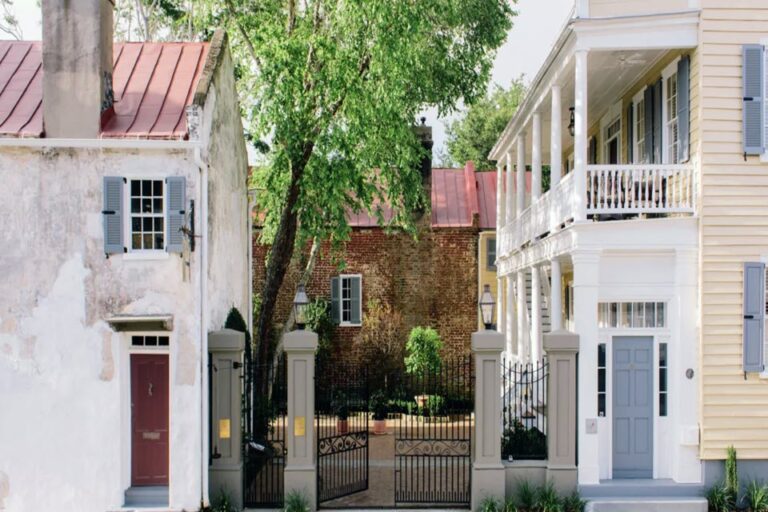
pixel 423 351
pixel 296 501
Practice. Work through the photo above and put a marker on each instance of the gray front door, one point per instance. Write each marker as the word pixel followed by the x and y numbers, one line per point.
pixel 632 407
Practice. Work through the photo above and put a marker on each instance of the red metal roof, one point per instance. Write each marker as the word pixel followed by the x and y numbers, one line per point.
pixel 153 83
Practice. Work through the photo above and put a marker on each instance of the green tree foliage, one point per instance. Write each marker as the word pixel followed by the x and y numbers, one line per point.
pixel 331 90
pixel 423 351
pixel 473 134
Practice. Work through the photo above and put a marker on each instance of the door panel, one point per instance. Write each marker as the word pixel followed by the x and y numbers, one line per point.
pixel 149 419
pixel 632 407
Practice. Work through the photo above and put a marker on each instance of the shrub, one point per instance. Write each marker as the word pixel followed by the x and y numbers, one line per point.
pixel 731 475
pixel 547 499
pixel 719 499
pixel 381 343
pixel 435 405
pixel 423 351
pixel 574 503
pixel 378 405
pixel 756 496
pixel 525 497
pixel 296 501
pixel 523 443
pixel 490 504
pixel 223 503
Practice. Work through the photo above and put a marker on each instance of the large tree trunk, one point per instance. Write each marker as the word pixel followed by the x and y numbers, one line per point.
pixel 280 256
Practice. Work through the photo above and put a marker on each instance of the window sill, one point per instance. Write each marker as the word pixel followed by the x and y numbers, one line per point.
pixel 347 324
pixel 146 256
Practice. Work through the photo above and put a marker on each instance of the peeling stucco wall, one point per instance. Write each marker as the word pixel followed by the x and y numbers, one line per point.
pixel 64 388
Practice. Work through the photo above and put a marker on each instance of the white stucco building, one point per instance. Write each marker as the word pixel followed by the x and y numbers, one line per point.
pixel 125 240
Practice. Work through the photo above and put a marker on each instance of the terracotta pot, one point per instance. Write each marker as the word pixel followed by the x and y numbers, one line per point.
pixel 342 426
pixel 379 427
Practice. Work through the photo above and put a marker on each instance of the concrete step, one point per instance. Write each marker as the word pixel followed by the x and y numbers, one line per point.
pixel 681 504
pixel 641 488
pixel 149 496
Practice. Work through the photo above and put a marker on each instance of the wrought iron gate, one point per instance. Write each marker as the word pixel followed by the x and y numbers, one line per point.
pixel 433 436
pixel 341 420
pixel 264 424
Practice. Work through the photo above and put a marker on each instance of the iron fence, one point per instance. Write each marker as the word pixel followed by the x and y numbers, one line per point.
pixel 524 410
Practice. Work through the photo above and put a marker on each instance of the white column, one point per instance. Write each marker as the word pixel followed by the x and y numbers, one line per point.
pixel 500 217
pixel 501 304
pixel 556 301
pixel 535 314
pixel 556 142
pixel 580 134
pixel 511 320
pixel 585 286
pixel 509 206
pixel 520 184
pixel 522 324
pixel 536 159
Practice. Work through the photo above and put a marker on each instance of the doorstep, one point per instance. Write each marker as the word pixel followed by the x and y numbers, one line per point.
pixel 635 504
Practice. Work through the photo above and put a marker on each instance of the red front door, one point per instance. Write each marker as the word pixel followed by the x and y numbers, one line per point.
pixel 149 419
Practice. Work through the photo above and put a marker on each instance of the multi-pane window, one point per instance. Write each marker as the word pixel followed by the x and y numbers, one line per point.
pixel 631 315
pixel 601 379
pixel 491 252
pixel 346 299
pixel 672 128
pixel 147 215
pixel 149 341
pixel 663 390
pixel 640 131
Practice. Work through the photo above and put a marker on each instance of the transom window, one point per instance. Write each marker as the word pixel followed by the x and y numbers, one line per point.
pixel 147 215
pixel 672 135
pixel 149 341
pixel 631 315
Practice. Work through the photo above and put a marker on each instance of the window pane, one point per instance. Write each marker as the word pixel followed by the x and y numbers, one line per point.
pixel 146 188
pixel 136 223
pixel 150 341
pixel 601 355
pixel 136 241
pixel 158 224
pixel 601 380
pixel 163 341
pixel 147 241
pixel 146 206
pixel 650 314
pixel 661 314
pixel 601 404
pixel 135 205
pixel 663 354
pixel 147 224
pixel 135 187
pixel 626 314
pixel 614 322
pixel 157 187
pixel 137 341
pixel 157 205
pixel 159 241
pixel 662 379
pixel 663 404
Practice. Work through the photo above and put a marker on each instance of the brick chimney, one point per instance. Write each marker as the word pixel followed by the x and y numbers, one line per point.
pixel 77 66
pixel 424 133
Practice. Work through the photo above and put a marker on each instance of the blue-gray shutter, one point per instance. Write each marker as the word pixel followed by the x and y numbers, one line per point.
pixel 684 109
pixel 754 316
pixel 113 215
pixel 648 124
pixel 174 213
pixel 657 116
pixel 754 87
pixel 631 133
pixel 335 300
pixel 356 295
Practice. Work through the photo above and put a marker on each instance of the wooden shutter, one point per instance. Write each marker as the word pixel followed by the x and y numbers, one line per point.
pixel 648 125
pixel 684 109
pixel 754 86
pixel 113 215
pixel 356 295
pixel 336 299
pixel 658 101
pixel 174 213
pixel 754 316
pixel 631 133
pixel 592 158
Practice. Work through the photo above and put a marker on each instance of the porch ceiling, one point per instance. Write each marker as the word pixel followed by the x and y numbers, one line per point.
pixel 611 74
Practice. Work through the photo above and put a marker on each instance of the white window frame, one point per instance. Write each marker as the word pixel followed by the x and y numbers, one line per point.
pixel 638 153
pixel 133 349
pixel 764 373
pixel 667 73
pixel 342 322
pixel 143 254
pixel 764 156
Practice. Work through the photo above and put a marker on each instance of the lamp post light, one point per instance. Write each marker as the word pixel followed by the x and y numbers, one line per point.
pixel 572 121
pixel 300 303
pixel 487 306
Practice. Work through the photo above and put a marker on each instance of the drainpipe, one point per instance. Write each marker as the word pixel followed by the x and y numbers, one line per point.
pixel 203 195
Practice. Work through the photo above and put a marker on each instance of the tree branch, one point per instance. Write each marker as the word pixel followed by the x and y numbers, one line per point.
pixel 243 33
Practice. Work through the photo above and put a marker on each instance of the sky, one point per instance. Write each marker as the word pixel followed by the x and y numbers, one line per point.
pixel 535 30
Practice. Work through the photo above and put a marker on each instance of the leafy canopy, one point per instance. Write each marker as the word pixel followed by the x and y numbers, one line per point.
pixel 336 87
pixel 473 135
pixel 423 351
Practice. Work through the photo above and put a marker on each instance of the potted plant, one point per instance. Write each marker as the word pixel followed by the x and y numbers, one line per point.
pixel 341 410
pixel 423 357
pixel 378 405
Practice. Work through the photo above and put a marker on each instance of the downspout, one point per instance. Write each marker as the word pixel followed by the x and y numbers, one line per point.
pixel 203 198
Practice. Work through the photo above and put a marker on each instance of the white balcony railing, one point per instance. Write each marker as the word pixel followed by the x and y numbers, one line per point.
pixel 612 191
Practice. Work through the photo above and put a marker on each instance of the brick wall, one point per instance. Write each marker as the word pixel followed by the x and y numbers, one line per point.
pixel 431 281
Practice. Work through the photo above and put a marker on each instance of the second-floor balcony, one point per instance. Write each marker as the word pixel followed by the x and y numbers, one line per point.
pixel 612 192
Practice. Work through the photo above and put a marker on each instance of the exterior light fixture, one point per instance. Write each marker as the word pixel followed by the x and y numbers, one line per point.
pixel 300 303
pixel 572 121
pixel 487 306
